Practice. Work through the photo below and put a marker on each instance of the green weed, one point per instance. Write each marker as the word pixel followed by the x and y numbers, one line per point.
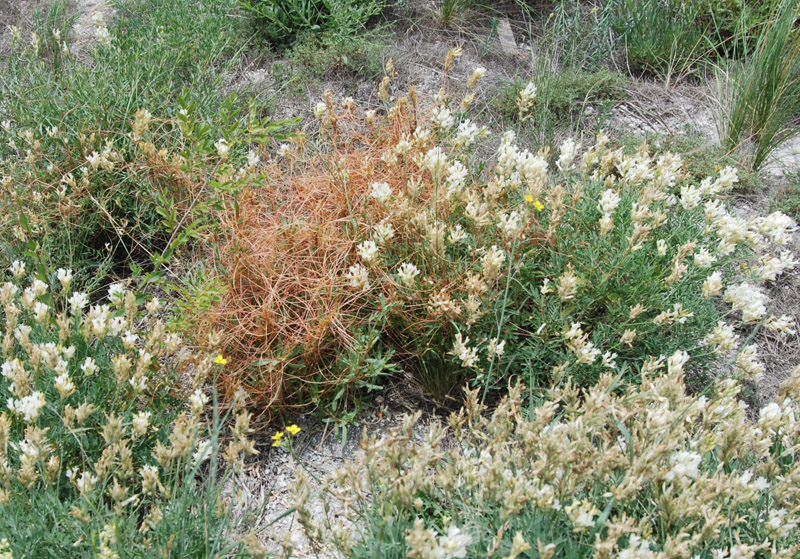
pixel 562 97
pixel 284 22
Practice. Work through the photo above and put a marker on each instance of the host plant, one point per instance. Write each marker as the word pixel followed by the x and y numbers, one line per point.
pixel 390 235
pixel 101 446
pixel 622 471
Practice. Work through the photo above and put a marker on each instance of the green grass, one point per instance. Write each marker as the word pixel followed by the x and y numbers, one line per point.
pixel 562 97
pixel 758 101
pixel 159 49
pixel 664 39
pixel 787 199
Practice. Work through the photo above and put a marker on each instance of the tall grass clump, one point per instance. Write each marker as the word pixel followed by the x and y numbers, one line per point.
pixel 390 242
pixel 759 98
pixel 452 10
pixel 109 444
pixel 578 35
pixel 613 470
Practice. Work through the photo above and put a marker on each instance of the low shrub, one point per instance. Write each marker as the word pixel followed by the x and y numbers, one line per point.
pixel 331 55
pixel 389 235
pixel 561 101
pixel 610 471
pixel 283 22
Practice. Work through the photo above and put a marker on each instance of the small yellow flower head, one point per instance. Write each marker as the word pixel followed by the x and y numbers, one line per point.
pixel 293 429
pixel 277 438
pixel 536 203
pixel 221 360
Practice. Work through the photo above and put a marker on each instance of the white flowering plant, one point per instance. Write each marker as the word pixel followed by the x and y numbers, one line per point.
pixel 610 471
pixel 565 263
pixel 97 430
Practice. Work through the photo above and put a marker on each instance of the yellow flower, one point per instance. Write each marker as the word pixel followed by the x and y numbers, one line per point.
pixel 221 360
pixel 293 429
pixel 277 438
pixel 528 198
pixel 538 205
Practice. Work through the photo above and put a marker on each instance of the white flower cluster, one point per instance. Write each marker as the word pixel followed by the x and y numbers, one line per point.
pixel 608 204
pixel 748 299
pixel 467 355
pixel 567 152
pixel 578 343
pixel 381 191
pixel 407 274
pixel 443 118
pixel 525 100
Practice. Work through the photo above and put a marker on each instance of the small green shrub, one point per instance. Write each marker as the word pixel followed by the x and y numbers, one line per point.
pixel 452 10
pixel 675 39
pixel 329 54
pixel 113 201
pixel 284 22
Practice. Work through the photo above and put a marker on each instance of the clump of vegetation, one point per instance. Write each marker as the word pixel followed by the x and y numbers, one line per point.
pixel 674 40
pixel 75 186
pixel 701 158
pixel 101 449
pixel 667 39
pixel 390 242
pixel 609 471
pixel 562 98
pixel 566 292
pixel 759 99
pixel 285 22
